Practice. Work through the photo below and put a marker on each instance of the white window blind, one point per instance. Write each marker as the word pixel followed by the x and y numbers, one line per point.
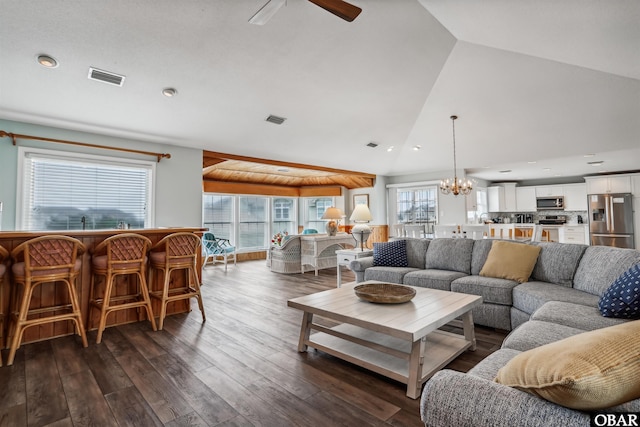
pixel 218 215
pixel 68 192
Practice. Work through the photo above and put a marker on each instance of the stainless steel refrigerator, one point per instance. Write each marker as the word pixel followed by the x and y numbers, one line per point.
pixel 611 220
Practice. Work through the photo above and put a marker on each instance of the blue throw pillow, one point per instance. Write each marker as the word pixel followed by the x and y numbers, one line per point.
pixel 390 254
pixel 622 299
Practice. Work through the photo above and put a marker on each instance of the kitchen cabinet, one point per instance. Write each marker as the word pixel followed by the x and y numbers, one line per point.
pixel 502 198
pixel 608 184
pixel 573 234
pixel 575 197
pixel 549 191
pixel 526 199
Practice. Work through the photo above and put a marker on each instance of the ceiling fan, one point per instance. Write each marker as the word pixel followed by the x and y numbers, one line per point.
pixel 340 8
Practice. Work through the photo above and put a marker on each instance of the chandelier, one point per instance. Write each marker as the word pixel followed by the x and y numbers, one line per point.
pixel 455 186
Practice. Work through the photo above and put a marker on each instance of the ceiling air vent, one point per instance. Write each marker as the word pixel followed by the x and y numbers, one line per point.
pixel 372 145
pixel 275 119
pixel 105 77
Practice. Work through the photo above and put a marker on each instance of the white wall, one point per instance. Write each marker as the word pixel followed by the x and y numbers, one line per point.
pixel 377 201
pixel 178 193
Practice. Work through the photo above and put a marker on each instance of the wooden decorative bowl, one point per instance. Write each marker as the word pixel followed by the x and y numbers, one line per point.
pixel 384 293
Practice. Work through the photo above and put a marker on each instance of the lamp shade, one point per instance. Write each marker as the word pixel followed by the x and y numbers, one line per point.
pixel 361 213
pixel 332 213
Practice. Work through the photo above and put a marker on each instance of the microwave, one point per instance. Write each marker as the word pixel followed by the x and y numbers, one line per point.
pixel 550 203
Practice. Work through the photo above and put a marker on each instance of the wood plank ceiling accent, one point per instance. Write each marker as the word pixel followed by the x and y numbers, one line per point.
pixel 229 173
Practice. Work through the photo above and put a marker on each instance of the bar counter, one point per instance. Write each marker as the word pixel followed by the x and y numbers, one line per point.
pixel 52 292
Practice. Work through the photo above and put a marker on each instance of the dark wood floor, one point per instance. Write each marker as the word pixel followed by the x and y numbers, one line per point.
pixel 239 368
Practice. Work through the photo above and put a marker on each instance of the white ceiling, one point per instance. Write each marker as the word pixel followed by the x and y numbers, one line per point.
pixel 542 81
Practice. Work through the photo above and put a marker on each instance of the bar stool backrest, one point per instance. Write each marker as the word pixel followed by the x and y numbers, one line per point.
pixel 124 252
pixel 3 255
pixel 179 249
pixel 47 257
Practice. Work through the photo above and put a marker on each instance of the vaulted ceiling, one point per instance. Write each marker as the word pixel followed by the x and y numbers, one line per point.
pixel 531 81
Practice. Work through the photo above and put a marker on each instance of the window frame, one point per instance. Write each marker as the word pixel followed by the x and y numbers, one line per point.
pixel 22 192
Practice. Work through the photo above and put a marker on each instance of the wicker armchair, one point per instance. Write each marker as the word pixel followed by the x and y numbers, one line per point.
pixel 286 258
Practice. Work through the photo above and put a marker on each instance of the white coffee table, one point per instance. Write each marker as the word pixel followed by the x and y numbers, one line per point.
pixel 399 341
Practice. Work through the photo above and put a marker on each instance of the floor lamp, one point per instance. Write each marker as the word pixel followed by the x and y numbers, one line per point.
pixel 361 231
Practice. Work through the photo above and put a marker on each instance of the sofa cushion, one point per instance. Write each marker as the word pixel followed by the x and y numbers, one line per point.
pixel 622 299
pixel 387 274
pixel 416 250
pixel 489 366
pixel 510 260
pixel 535 333
pixel 589 371
pixel 479 254
pixel 431 278
pixel 390 254
pixel 493 290
pixel 530 296
pixel 557 262
pixel 450 254
pixel 601 265
pixel 587 318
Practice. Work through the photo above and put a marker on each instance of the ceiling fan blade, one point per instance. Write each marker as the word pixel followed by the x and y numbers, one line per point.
pixel 340 8
pixel 266 12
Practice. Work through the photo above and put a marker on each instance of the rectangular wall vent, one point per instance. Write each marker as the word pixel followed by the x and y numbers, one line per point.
pixel 275 119
pixel 106 77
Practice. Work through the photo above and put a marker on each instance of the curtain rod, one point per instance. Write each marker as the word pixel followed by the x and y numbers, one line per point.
pixel 14 136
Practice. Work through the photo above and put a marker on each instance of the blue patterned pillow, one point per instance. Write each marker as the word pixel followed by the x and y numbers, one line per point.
pixel 390 254
pixel 622 299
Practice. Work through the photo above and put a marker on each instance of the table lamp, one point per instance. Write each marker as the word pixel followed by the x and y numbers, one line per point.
pixel 334 215
pixel 361 231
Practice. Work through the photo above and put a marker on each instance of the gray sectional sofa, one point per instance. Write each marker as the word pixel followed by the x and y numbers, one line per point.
pixel 560 300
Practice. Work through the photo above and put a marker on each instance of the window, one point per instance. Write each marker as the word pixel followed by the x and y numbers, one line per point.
pixel 68 191
pixel 416 206
pixel 284 215
pixel 253 230
pixel 217 215
pixel 314 209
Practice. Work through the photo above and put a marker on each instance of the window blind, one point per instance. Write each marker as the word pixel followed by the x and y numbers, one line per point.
pixel 70 193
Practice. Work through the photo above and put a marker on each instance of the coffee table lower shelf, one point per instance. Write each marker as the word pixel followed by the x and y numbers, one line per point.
pixel 387 355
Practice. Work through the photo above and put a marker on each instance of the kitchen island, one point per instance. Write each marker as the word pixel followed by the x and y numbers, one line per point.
pixel 50 292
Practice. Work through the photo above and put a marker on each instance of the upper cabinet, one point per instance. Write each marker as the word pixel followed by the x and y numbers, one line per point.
pixel 502 198
pixel 608 184
pixel 549 191
pixel 575 197
pixel 526 199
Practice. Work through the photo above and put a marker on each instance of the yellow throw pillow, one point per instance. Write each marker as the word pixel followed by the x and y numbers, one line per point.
pixel 589 371
pixel 509 260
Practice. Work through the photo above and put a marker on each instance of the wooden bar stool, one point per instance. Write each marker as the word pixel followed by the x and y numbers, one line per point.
pixel 177 251
pixel 37 261
pixel 4 254
pixel 122 254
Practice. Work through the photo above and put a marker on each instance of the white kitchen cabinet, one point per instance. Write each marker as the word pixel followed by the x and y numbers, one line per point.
pixel 608 184
pixel 573 234
pixel 635 187
pixel 575 197
pixel 549 190
pixel 526 199
pixel 502 198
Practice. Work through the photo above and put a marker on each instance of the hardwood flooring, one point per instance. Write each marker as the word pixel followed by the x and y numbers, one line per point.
pixel 239 368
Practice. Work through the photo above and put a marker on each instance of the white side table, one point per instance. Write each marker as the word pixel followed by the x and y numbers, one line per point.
pixel 345 256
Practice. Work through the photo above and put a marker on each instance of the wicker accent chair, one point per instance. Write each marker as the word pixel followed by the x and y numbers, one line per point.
pixel 121 254
pixel 43 260
pixel 177 251
pixel 286 258
pixel 4 254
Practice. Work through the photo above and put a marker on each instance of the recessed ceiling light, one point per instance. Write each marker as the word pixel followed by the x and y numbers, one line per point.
pixel 417 147
pixel 390 148
pixel 169 92
pixel 589 155
pixel 47 61
pixel 546 169
pixel 598 163
pixel 532 162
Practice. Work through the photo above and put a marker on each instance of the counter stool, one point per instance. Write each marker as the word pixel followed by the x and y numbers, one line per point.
pixel 42 260
pixel 4 254
pixel 121 254
pixel 177 251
